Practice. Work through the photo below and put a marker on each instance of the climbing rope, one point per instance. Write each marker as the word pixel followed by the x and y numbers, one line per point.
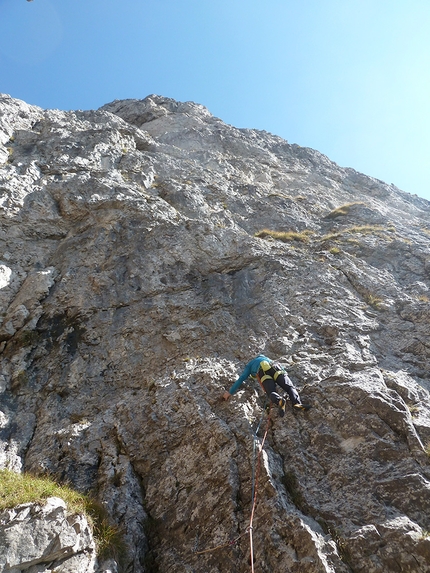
pixel 254 447
pixel 255 485
pixel 255 475
pixel 232 542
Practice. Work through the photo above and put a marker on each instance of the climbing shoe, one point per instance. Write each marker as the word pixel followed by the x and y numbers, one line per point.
pixel 281 407
pixel 303 407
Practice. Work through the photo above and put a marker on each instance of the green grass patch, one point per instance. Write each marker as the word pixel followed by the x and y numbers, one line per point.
pixel 285 236
pixel 17 489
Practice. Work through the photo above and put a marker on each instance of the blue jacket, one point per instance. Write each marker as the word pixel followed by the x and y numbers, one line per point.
pixel 251 369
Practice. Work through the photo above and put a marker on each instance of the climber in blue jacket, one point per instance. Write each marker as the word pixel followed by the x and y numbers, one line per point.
pixel 269 374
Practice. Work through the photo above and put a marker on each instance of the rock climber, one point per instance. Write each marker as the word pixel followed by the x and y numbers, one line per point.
pixel 269 374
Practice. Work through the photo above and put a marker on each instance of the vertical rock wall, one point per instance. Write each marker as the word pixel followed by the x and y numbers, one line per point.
pixel 136 282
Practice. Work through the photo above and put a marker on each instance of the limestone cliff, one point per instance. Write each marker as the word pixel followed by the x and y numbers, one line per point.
pixel 147 252
pixel 45 537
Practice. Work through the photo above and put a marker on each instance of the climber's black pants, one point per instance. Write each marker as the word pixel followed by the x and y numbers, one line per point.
pixel 285 383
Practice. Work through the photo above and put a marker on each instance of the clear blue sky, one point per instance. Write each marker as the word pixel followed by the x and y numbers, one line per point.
pixel 350 78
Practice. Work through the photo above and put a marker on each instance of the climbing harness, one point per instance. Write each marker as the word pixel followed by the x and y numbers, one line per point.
pixel 269 370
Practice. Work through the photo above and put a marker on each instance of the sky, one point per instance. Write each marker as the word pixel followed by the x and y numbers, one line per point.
pixel 350 78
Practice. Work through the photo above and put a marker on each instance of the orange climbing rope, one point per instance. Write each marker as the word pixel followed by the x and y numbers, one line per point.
pixel 254 498
pixel 255 487
pixel 232 542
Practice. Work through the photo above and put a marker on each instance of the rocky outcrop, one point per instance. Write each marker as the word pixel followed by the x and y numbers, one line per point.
pixel 148 251
pixel 45 538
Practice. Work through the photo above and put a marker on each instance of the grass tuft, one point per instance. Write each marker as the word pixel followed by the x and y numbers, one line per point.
pixel 285 236
pixel 374 301
pixel 377 230
pixel 17 489
pixel 414 410
pixel 342 546
pixel 343 210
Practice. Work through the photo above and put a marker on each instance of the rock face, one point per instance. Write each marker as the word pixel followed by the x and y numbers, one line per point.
pixel 148 251
pixel 33 536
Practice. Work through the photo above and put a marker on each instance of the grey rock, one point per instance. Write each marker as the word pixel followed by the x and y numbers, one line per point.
pixel 37 538
pixel 140 270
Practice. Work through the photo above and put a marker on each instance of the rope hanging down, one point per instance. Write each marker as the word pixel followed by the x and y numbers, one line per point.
pixel 255 486
pixel 255 476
